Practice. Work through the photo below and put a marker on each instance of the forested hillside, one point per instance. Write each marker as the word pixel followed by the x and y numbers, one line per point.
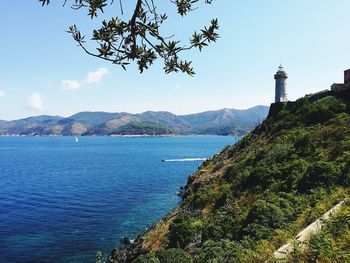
pixel 244 203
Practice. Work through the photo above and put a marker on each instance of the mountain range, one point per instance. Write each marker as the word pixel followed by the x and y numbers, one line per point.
pixel 219 122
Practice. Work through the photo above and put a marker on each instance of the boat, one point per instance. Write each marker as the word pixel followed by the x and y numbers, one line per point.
pixel 76 139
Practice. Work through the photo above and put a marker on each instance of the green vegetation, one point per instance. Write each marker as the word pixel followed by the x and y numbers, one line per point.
pixel 137 128
pixel 220 122
pixel 332 244
pixel 253 197
pixel 139 37
pixel 172 255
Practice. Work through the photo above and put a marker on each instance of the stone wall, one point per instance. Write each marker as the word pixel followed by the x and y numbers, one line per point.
pixel 304 236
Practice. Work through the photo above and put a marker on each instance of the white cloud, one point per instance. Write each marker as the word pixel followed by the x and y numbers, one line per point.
pixel 91 78
pixel 70 84
pixel 2 93
pixel 35 102
pixel 96 76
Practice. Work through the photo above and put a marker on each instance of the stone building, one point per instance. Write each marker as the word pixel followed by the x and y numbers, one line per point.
pixel 342 86
pixel 347 78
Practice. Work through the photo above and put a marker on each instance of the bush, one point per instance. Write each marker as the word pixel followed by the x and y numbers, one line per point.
pixel 173 255
pixel 209 194
pixel 181 232
pixel 213 231
pixel 148 258
pixel 261 177
pixel 320 174
pixel 292 172
pixel 322 110
pixel 262 218
pixel 215 251
pixel 344 163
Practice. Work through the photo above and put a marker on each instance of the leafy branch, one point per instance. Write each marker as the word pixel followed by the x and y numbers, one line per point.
pixel 139 39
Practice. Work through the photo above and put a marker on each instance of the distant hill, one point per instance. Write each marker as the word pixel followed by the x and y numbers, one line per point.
pixel 220 122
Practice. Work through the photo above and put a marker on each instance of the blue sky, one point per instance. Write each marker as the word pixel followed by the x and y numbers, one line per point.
pixel 39 60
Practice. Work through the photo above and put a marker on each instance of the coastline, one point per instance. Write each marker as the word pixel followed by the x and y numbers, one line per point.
pixel 125 136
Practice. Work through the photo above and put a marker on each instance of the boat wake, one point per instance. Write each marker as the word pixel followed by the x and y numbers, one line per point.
pixel 184 160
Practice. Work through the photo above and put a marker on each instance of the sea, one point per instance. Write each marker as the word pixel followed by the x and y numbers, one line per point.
pixel 62 200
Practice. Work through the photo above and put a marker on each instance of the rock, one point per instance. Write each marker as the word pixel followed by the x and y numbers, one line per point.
pixel 120 255
pixel 126 241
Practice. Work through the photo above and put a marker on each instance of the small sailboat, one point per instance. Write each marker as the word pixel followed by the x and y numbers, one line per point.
pixel 76 139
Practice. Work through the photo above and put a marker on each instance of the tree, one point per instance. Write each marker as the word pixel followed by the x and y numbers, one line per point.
pixel 139 39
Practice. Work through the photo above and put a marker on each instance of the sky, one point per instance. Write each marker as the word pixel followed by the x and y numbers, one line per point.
pixel 42 71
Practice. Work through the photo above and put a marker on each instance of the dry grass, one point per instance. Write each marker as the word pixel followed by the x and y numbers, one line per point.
pixel 156 238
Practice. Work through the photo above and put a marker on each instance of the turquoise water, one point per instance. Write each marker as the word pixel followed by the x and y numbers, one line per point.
pixel 61 201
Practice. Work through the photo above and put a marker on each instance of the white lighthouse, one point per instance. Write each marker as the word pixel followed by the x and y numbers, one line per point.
pixel 281 85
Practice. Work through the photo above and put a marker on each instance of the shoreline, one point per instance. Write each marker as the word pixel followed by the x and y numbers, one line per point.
pixel 124 136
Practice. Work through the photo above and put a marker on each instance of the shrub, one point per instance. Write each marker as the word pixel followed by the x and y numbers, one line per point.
pixel 181 232
pixel 173 255
pixel 320 174
pixel 322 110
pixel 261 176
pixel 215 251
pixel 148 258
pixel 344 162
pixel 263 217
pixel 292 172
pixel 213 231
pixel 214 193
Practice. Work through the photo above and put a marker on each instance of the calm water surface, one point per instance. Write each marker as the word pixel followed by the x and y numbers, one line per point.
pixel 61 201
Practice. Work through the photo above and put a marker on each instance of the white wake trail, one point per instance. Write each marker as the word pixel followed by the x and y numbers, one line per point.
pixel 184 160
